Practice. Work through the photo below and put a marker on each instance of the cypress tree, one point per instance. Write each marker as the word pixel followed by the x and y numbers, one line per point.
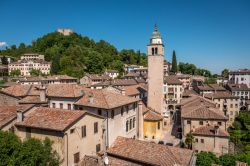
pixel 174 63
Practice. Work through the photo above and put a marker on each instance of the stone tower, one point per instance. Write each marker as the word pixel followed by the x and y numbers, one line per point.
pixel 155 71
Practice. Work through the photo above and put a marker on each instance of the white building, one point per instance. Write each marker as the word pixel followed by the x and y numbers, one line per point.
pixel 29 62
pixel 240 77
pixel 112 73
pixel 65 32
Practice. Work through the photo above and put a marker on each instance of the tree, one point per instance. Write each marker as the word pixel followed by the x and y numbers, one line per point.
pixel 35 72
pixel 174 63
pixel 4 60
pixel 30 152
pixel 210 80
pixel 189 140
pixel 206 159
pixel 225 73
pixel 37 152
pixel 10 147
pixel 15 73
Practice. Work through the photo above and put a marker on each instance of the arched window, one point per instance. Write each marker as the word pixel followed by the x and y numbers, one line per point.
pixel 130 124
pixel 126 126
pixel 153 51
pixel 156 51
pixel 134 122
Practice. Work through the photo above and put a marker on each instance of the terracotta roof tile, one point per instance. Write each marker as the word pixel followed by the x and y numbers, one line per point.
pixel 9 112
pixel 17 90
pixel 66 90
pixel 117 82
pixel 202 112
pixel 104 99
pixel 220 95
pixel 51 118
pixel 134 90
pixel 93 161
pixel 151 115
pixel 238 87
pixel 172 80
pixel 149 153
pixel 31 100
pixel 210 131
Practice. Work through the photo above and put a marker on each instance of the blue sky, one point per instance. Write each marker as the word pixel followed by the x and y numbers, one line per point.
pixel 213 34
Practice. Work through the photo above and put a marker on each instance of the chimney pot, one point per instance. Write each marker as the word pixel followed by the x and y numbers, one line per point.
pixel 19 115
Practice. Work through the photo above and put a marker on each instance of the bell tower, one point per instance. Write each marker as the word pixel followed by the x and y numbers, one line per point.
pixel 155 71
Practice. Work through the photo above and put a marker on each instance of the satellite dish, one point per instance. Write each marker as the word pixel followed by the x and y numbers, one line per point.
pixel 106 160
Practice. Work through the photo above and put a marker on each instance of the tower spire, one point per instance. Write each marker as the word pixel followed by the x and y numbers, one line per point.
pixel 156 28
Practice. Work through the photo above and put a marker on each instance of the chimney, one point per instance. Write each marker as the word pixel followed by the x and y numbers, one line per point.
pixel 43 94
pixel 140 121
pixel 123 92
pixel 19 113
pixel 91 98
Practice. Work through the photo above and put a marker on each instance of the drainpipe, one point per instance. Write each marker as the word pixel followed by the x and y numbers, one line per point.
pixel 107 129
pixel 67 154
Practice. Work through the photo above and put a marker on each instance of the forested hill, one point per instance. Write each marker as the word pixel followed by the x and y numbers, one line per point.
pixel 75 55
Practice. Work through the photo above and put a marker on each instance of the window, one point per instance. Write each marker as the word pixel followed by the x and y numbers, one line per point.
pixel 201 122
pixel 69 106
pixel 130 124
pixel 159 125
pixel 72 131
pixel 122 110
pixel 218 105
pixel 127 126
pixel 231 105
pixel 196 140
pixel 236 105
pixel 231 112
pixel 156 51
pixel 112 114
pixel 96 127
pixel 153 51
pixel 53 105
pixel 84 133
pixel 219 123
pixel 202 140
pixel 188 121
pixel 127 108
pixel 134 105
pixel 98 147
pixel 76 157
pixel 134 122
pixel 28 132
pixel 61 105
pixel 99 112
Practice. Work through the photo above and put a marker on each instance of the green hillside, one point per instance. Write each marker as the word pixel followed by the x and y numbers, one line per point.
pixel 75 55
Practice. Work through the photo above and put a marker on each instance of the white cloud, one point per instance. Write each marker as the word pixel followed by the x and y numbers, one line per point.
pixel 2 44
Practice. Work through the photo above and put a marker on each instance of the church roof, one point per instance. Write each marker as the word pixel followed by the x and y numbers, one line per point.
pixel 156 34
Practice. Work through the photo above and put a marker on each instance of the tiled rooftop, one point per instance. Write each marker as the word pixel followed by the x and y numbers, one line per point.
pixel 66 90
pixel 51 118
pixel 238 87
pixel 202 112
pixel 210 131
pixel 104 99
pixel 172 80
pixel 220 95
pixel 149 153
pixel 134 90
pixel 9 113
